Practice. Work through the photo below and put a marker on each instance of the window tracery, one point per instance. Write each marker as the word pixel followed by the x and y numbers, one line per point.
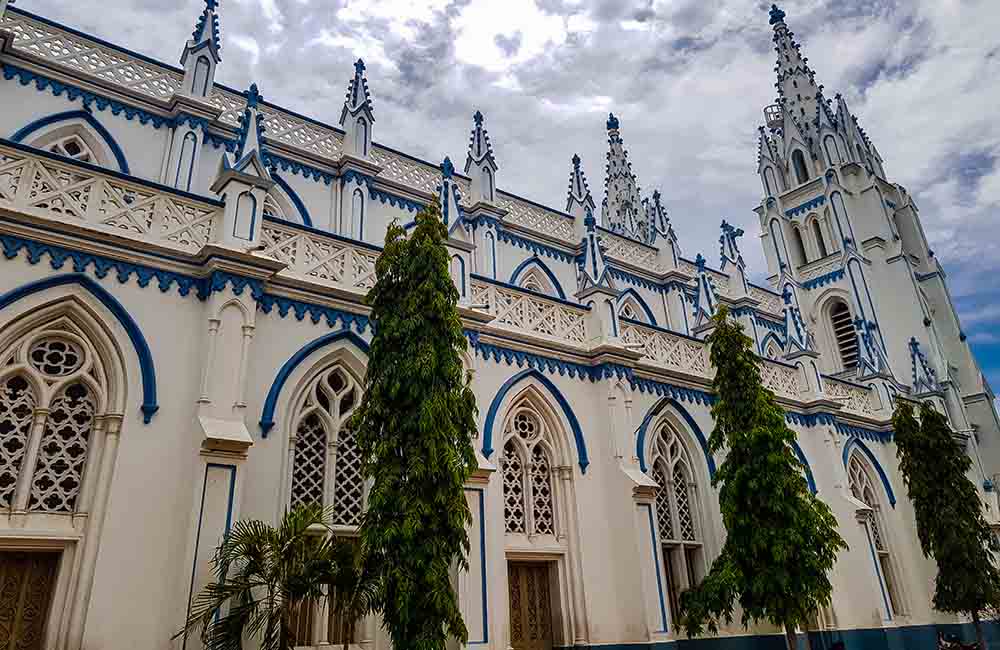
pixel 526 467
pixel 677 513
pixel 74 147
pixel 862 486
pixel 326 463
pixel 533 280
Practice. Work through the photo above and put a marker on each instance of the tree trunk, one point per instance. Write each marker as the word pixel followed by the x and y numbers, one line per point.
pixel 791 639
pixel 980 641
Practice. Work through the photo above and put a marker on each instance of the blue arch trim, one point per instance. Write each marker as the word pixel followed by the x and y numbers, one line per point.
pixel 766 339
pixel 632 293
pixel 536 261
pixel 854 441
pixel 640 443
pixel 491 415
pixel 802 459
pixel 294 198
pixel 146 368
pixel 267 415
pixel 91 121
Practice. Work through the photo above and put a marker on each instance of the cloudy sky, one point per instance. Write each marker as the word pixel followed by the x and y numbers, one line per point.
pixel 687 78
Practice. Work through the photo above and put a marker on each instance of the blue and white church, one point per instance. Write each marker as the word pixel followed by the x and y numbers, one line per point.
pixel 183 337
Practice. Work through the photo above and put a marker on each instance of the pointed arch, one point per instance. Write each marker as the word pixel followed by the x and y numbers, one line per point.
pixel 805 463
pixel 536 263
pixel 800 166
pixel 293 362
pixel 147 369
pixel 96 128
pixel 632 294
pixel 862 448
pixel 557 397
pixel 771 339
pixel 294 199
pixel 641 446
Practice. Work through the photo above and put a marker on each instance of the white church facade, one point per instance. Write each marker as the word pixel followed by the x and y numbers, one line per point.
pixel 183 337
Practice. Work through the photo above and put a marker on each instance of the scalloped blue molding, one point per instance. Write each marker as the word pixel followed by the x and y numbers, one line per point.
pixel 533 246
pixel 89 119
pixel 639 281
pixel 395 200
pixel 826 278
pixel 293 362
pixel 491 414
pixel 316 313
pixel 146 367
pixel 805 207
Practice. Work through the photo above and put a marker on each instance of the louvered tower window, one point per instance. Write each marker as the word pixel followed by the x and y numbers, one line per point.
pixel 843 332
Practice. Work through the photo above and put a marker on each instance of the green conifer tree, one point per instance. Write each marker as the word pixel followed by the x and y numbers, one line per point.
pixel 950 522
pixel 781 540
pixel 414 428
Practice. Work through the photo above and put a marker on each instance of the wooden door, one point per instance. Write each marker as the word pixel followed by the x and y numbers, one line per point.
pixel 530 606
pixel 26 584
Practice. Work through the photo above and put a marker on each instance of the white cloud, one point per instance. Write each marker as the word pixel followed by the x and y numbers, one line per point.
pixel 248 45
pixel 480 22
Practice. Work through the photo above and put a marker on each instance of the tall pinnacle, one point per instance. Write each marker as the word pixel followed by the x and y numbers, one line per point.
pixel 796 84
pixel 622 211
pixel 207 29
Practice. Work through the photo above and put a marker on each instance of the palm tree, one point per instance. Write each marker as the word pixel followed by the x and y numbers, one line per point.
pixel 267 579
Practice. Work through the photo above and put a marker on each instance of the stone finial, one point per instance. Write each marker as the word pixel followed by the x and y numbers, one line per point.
pixel 448 195
pixel 578 199
pixel 924 377
pixel 612 122
pixel 480 163
pixel 357 116
pixel 705 301
pixel 594 272
pixel 777 15
pixel 730 253
pixel 201 53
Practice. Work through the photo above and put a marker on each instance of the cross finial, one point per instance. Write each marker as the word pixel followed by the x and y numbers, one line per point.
pixel 700 263
pixel 777 15
pixel 211 5
pixel 787 296
pixel 478 118
pixel 447 168
pixel 576 161
pixel 612 122
pixel 253 96
pixel 359 66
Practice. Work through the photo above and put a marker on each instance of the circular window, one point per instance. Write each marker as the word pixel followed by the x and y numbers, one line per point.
pixel 525 425
pixel 56 357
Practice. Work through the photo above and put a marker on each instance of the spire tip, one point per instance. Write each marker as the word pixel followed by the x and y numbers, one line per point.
pixel 777 15
pixel 612 122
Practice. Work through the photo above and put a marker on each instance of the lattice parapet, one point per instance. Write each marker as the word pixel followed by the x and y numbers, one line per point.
pixel 668 350
pixel 46 188
pixel 83 55
pixel 630 252
pixel 407 171
pixel 855 399
pixel 319 258
pixel 524 312
pixel 782 380
pixel 537 219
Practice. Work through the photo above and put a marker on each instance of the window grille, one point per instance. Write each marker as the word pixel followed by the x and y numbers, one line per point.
pixel 843 332
pixel 74 147
pixel 529 502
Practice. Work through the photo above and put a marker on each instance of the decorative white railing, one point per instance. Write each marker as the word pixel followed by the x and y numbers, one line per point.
pixel 854 398
pixel 37 185
pixel 407 171
pixel 668 350
pixel 630 252
pixel 818 268
pixel 319 258
pixel 782 380
pixel 531 314
pixel 84 55
pixel 534 218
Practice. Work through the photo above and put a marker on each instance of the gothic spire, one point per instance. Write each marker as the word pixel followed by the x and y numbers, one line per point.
pixel 202 53
pixel 451 211
pixel 797 337
pixel 594 272
pixel 659 222
pixel 249 156
pixel 705 300
pixel 480 164
pixel 621 210
pixel 357 116
pixel 578 198
pixel 798 92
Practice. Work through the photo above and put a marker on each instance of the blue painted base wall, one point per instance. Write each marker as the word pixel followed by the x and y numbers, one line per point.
pixel 916 637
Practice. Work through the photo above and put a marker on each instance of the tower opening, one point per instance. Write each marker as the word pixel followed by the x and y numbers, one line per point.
pixel 843 332
pixel 799 163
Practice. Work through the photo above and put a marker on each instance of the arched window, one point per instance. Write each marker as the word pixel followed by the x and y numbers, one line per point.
pixel 326 464
pixel 199 84
pixel 61 387
pixel 246 216
pixel 677 513
pixel 863 487
pixel 535 280
pixel 358 214
pixel 844 335
pixel 361 137
pixel 487 184
pixel 491 255
pixel 820 241
pixel 799 163
pixel 770 181
pixel 628 310
pixel 72 146
pixel 457 267
pixel 800 246
pixel 772 350
pixel 526 468
pixel 185 162
pixel 832 152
